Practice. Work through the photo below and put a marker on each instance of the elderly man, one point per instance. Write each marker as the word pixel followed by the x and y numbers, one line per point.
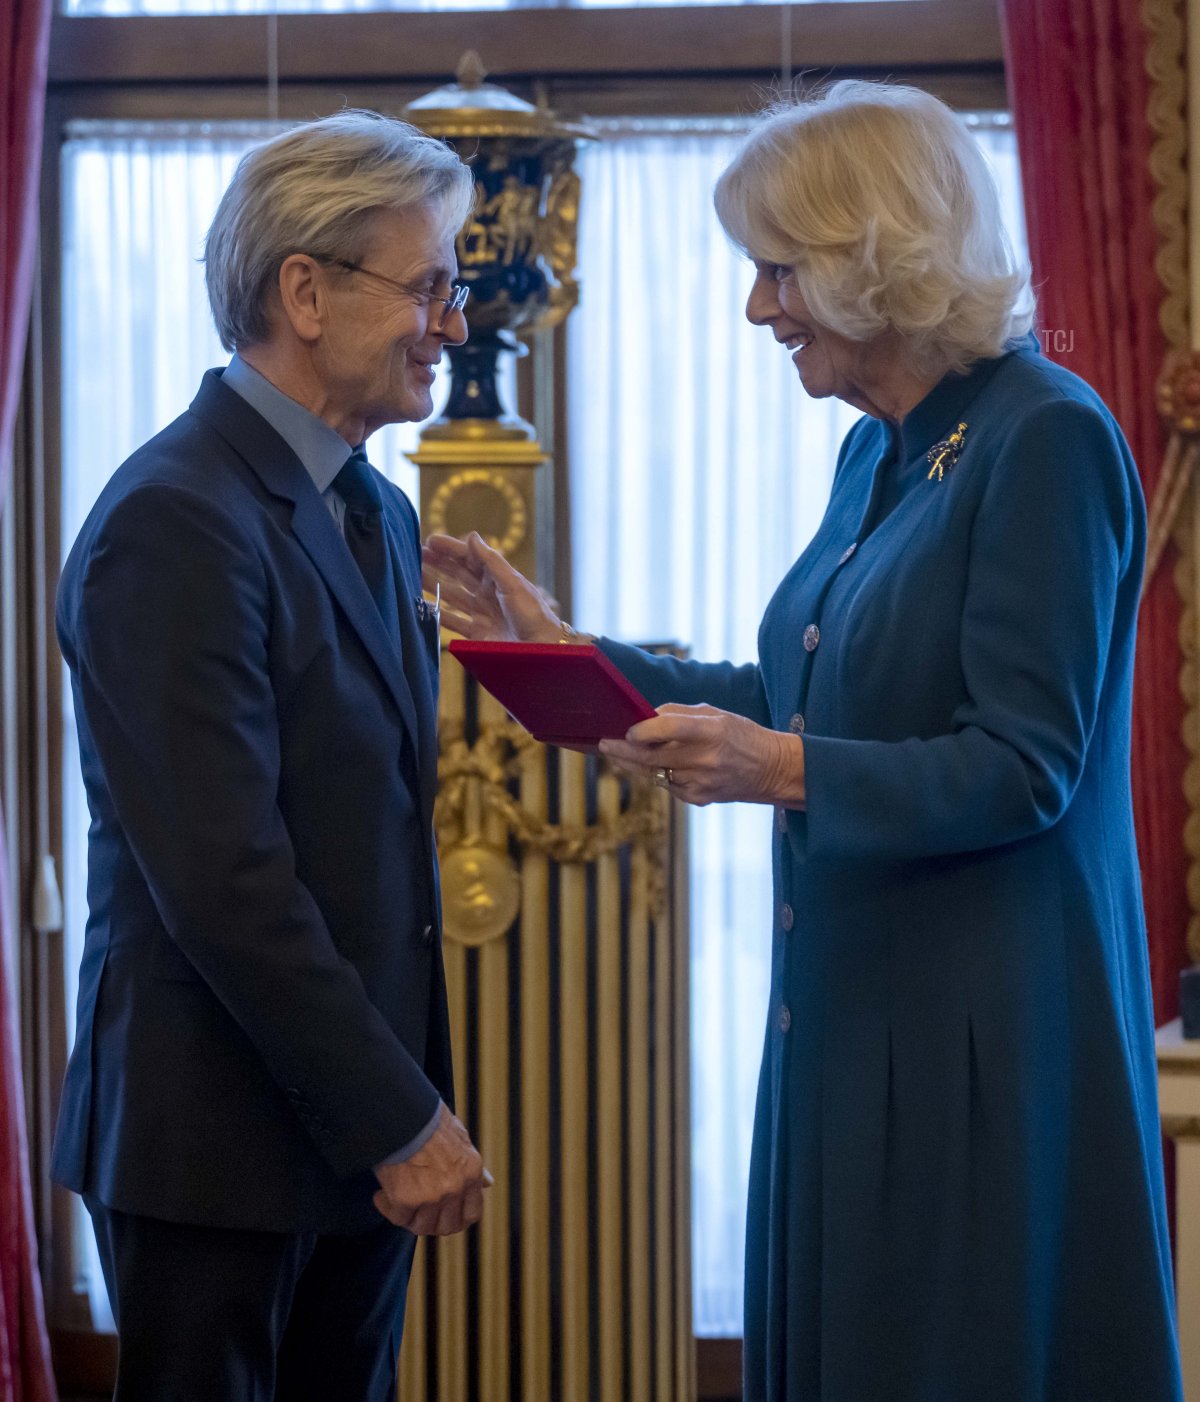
pixel 256 1107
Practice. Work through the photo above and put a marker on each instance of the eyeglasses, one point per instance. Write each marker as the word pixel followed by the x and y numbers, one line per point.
pixel 454 303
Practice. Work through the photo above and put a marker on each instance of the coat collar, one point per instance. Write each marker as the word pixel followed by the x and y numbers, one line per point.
pixel 283 475
pixel 949 402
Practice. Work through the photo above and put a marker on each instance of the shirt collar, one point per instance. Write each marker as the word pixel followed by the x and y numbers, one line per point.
pixel 322 451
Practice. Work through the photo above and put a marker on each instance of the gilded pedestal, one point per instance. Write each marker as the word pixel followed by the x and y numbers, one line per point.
pixel 566 961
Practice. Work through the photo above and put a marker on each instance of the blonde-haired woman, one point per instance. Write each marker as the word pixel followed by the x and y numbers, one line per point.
pixel 956 1189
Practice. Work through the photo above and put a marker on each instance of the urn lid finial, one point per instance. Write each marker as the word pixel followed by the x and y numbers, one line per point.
pixel 470 72
pixel 473 107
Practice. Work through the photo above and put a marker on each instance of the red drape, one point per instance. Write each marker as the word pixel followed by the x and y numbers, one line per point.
pixel 24 50
pixel 1078 88
pixel 25 1374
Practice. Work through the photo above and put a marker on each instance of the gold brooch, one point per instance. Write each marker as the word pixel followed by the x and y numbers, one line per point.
pixel 944 455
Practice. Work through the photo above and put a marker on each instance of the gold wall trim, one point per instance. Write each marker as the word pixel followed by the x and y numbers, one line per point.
pixel 1166 113
pixel 483 772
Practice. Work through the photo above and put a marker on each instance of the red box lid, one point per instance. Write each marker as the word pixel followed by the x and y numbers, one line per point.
pixel 566 694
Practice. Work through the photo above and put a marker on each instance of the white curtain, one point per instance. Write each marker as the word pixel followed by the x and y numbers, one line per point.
pixel 699 471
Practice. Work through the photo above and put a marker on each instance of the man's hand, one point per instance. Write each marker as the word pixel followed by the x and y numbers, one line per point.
pixel 483 596
pixel 439 1191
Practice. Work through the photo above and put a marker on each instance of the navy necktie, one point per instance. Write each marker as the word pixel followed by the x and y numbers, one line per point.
pixel 363 527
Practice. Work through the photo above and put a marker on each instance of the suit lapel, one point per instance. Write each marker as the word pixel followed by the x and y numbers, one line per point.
pixel 418 666
pixel 283 475
pixel 317 531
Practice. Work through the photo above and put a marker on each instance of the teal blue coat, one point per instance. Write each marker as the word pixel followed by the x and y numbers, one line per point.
pixel 956 1185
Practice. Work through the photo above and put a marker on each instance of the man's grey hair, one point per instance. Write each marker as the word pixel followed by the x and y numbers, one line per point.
pixel 312 190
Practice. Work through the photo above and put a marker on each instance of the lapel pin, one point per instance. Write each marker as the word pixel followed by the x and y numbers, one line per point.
pixel 429 609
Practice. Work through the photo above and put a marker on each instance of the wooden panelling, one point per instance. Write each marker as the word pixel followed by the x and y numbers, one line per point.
pixel 525 43
pixel 719 1370
pixel 85 1364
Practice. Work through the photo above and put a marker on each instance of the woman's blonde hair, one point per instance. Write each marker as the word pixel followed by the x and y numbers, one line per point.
pixel 879 201
pixel 312 190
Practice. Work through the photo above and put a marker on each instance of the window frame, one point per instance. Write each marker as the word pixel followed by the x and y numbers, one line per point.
pixel 896 36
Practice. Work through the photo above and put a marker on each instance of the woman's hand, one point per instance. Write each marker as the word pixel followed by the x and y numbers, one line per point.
pixel 483 597
pixel 712 756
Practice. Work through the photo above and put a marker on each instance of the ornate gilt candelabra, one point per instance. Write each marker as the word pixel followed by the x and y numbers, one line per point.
pixel 563 902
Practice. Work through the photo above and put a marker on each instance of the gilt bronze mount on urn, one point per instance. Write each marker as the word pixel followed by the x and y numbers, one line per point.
pixel 479 460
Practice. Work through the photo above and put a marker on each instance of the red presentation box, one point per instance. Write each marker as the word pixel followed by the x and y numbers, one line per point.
pixel 566 694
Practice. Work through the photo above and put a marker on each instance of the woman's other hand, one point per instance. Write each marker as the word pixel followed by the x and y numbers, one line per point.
pixel 483 597
pixel 712 756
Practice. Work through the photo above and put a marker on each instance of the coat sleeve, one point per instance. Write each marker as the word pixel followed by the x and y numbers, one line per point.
pixel 720 684
pixel 168 638
pixel 1055 550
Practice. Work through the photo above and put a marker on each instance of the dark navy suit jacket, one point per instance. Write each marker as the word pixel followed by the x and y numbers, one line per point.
pixel 262 1012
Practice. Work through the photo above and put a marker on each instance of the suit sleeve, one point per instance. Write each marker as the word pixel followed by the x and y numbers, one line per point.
pixel 1056 549
pixel 171 639
pixel 720 684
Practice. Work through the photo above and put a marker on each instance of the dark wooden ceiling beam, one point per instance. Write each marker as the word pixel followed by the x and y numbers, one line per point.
pixel 528 43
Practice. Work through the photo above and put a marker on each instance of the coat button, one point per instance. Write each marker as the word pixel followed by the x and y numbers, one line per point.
pixel 787 917
pixel 812 636
pixel 785 1018
pixel 848 552
pixel 796 724
pixel 427 935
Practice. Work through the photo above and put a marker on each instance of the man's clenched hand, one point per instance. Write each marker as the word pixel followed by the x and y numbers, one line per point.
pixel 438 1191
